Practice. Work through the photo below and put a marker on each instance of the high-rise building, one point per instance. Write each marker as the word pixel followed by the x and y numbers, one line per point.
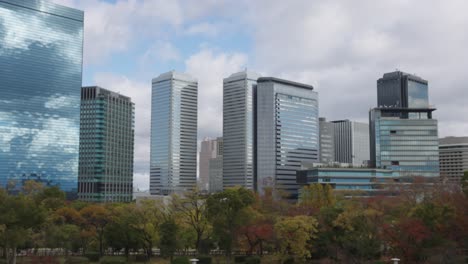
pixel 106 146
pixel 208 151
pixel 215 166
pixel 351 142
pixel 403 134
pixel 287 132
pixel 41 57
pixel 327 141
pixel 173 158
pixel 453 158
pixel 402 90
pixel 239 129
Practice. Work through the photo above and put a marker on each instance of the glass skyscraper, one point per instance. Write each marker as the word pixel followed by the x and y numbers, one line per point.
pixel 40 80
pixel 173 158
pixel 403 134
pixel 327 141
pixel 106 146
pixel 239 129
pixel 287 132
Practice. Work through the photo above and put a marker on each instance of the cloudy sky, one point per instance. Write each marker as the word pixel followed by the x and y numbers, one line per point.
pixel 340 47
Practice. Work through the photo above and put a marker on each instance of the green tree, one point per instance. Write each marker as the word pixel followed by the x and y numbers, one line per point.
pixel 149 215
pixel 226 211
pixel 359 232
pixel 464 183
pixel 19 216
pixel 121 232
pixel 193 211
pixel 295 234
pixel 317 196
pixel 168 242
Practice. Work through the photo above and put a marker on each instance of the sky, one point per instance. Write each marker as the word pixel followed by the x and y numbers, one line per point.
pixel 339 47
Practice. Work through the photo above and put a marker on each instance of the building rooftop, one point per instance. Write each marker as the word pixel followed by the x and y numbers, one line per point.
pixel 287 82
pixel 453 141
pixel 176 76
pixel 399 74
pixel 251 75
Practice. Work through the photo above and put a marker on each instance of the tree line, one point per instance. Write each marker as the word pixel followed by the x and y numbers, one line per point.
pixel 423 224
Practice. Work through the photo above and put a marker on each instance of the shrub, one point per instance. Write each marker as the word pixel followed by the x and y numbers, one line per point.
pixel 93 256
pixel 180 260
pixel 77 260
pixel 204 260
pixel 289 261
pixel 113 260
pixel 253 260
pixel 240 259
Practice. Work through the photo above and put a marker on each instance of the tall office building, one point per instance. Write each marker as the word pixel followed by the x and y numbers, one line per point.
pixel 287 132
pixel 215 168
pixel 402 90
pixel 208 150
pixel 106 146
pixel 351 142
pixel 327 141
pixel 403 134
pixel 239 129
pixel 453 158
pixel 173 161
pixel 40 80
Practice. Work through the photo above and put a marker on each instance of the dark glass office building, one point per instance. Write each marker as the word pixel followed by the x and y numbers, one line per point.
pixel 287 132
pixel 106 146
pixel 403 133
pixel 40 80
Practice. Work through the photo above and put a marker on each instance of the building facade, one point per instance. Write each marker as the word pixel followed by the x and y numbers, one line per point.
pixel 287 132
pixel 173 158
pixel 327 141
pixel 408 145
pixel 351 141
pixel 40 67
pixel 403 134
pixel 239 91
pixel 402 90
pixel 367 180
pixel 215 168
pixel 453 158
pixel 208 151
pixel 106 146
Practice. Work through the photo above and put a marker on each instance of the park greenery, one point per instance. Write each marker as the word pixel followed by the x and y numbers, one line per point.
pixel 422 224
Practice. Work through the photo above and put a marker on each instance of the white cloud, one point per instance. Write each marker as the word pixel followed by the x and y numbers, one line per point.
pixel 205 28
pixel 160 52
pixel 210 67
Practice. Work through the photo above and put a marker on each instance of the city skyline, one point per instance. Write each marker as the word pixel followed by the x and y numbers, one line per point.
pixel 348 55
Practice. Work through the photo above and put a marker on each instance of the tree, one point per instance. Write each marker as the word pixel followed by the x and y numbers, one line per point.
pixel 149 215
pixel 316 196
pixel 226 211
pixel 257 230
pixel 121 232
pixel 19 216
pixel 168 242
pixel 359 229
pixel 295 233
pixel 96 217
pixel 193 211
pixel 464 183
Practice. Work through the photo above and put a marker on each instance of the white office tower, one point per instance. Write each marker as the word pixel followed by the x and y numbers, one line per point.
pixel 239 129
pixel 173 162
pixel 351 142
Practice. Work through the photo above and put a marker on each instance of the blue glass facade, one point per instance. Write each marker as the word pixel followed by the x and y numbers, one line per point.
pixel 40 81
pixel 173 158
pixel 287 132
pixel 409 145
pixel 364 179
